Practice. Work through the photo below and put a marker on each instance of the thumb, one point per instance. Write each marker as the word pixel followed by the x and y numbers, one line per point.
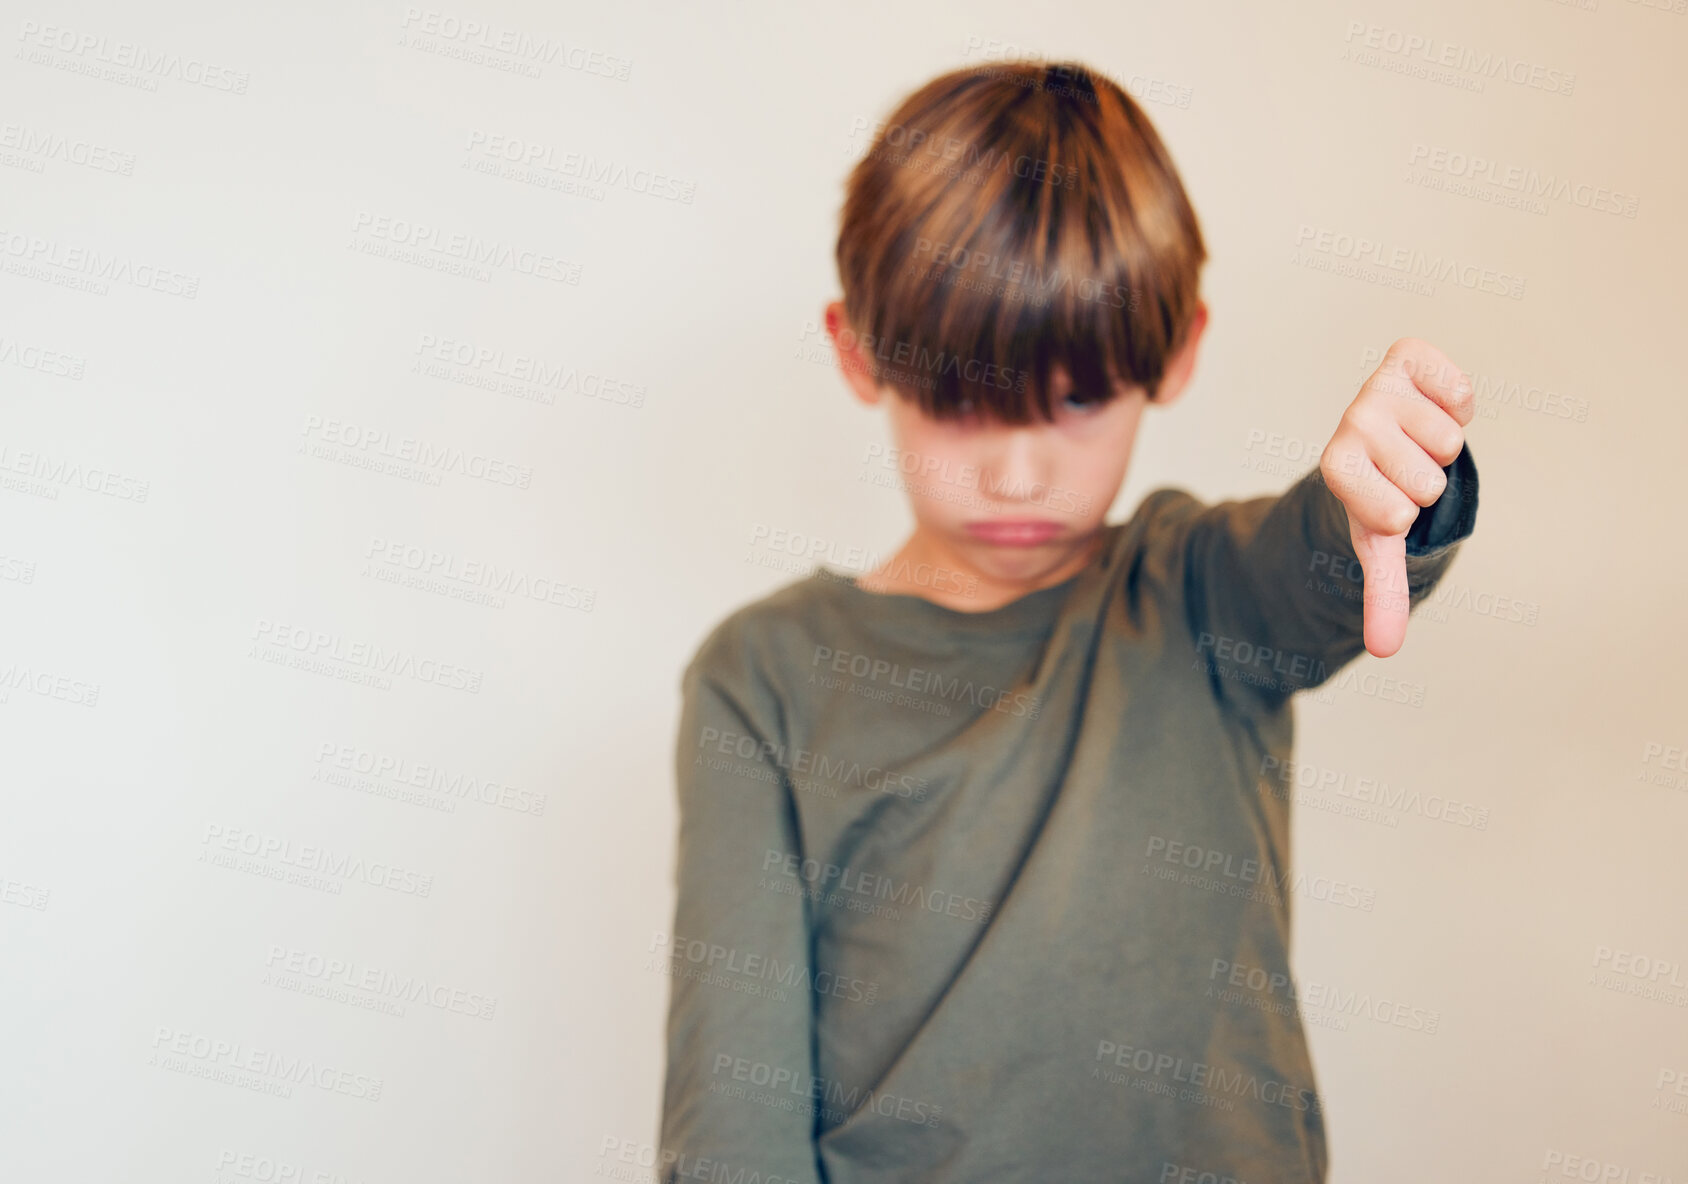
pixel 1383 562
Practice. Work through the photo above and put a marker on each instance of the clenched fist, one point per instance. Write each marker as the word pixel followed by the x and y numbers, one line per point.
pixel 1384 463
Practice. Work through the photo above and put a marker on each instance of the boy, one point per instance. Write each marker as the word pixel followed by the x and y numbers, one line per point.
pixel 983 869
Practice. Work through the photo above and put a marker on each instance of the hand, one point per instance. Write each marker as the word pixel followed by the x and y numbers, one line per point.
pixel 1384 463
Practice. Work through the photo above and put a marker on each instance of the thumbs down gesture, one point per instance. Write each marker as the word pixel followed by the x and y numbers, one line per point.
pixel 1384 463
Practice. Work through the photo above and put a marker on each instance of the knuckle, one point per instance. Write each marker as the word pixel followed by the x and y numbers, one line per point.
pixel 1449 444
pixel 1403 350
pixel 1327 471
pixel 1335 449
pixel 1401 516
pixel 1370 418
pixel 1430 489
pixel 1465 398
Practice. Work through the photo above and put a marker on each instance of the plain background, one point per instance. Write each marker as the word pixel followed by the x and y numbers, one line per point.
pixel 313 456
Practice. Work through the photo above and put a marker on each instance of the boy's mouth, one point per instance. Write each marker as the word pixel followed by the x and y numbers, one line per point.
pixel 1014 532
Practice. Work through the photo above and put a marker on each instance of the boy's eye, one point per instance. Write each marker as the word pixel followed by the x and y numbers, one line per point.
pixel 1081 401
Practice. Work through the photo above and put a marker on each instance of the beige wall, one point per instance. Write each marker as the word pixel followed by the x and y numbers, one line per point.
pixel 189 504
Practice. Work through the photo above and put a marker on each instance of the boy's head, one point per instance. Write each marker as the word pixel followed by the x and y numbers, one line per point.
pixel 1020 268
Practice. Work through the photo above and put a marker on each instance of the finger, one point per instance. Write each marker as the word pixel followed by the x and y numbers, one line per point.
pixel 1407 466
pixel 1371 499
pixel 1421 418
pixel 1383 565
pixel 1413 365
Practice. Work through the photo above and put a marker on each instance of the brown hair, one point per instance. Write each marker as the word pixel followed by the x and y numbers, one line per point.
pixel 1008 217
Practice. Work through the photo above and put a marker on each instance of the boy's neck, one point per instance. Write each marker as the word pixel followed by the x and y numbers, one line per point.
pixel 931 570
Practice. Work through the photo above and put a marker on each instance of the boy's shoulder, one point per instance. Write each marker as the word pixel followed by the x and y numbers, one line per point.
pixel 752 640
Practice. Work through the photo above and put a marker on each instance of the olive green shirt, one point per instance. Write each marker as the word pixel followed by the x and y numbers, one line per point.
pixel 1007 895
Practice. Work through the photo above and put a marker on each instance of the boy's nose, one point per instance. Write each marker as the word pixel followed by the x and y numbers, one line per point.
pixel 1015 465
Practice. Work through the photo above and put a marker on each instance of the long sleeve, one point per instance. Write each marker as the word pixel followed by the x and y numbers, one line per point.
pixel 740 1035
pixel 1274 590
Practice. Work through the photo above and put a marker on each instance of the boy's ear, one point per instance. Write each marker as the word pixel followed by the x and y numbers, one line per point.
pixel 1180 366
pixel 853 361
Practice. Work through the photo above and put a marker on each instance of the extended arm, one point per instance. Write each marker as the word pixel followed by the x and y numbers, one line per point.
pixel 1274 588
pixel 740 1020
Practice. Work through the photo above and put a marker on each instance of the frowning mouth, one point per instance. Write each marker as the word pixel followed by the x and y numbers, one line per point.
pixel 1014 532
